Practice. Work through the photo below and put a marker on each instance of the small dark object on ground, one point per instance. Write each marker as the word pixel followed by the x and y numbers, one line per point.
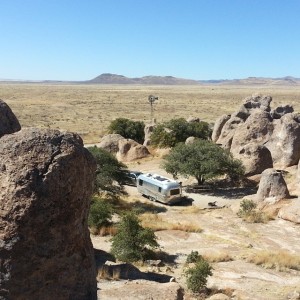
pixel 212 204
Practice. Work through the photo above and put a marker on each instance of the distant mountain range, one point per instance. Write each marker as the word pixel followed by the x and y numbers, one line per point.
pixel 108 78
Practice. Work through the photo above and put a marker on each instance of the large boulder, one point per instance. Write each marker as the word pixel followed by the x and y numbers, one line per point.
pixel 291 212
pixel 228 131
pixel 257 129
pixel 148 131
pixel 272 187
pixel 255 158
pixel 130 150
pixel 285 141
pixel 8 121
pixel 110 142
pixel 280 111
pixel 218 127
pixel 46 182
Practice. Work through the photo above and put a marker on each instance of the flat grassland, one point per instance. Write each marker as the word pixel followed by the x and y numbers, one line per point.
pixel 88 109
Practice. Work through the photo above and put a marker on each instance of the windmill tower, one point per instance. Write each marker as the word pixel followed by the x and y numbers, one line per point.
pixel 151 100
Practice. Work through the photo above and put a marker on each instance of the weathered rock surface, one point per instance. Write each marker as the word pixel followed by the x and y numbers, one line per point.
pixel 141 290
pixel 190 140
pixel 46 181
pixel 255 158
pixel 110 142
pixel 255 123
pixel 285 141
pixel 192 119
pixel 218 127
pixel 8 121
pixel 148 131
pixel 272 187
pixel 130 150
pixel 291 212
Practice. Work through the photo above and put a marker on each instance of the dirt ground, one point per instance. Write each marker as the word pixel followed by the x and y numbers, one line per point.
pixel 224 234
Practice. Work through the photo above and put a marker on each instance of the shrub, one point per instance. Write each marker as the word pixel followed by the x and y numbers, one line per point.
pixel 170 133
pixel 196 276
pixel 193 257
pixel 128 129
pixel 132 242
pixel 109 174
pixel 202 160
pixel 100 213
pixel 249 213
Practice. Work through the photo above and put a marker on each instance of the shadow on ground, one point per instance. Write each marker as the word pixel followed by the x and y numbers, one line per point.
pixel 126 270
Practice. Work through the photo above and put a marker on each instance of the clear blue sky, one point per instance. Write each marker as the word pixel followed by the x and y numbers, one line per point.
pixel 196 39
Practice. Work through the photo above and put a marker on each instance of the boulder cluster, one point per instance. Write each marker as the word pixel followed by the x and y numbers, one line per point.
pixel 46 182
pixel 259 136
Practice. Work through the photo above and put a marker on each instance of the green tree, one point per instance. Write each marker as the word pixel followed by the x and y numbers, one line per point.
pixel 128 129
pixel 132 241
pixel 172 132
pixel 109 174
pixel 196 276
pixel 203 160
pixel 100 214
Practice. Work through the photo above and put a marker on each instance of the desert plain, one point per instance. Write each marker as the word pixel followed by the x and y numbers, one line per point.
pixel 219 234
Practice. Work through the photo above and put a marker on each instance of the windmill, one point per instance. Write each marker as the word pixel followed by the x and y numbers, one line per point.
pixel 151 100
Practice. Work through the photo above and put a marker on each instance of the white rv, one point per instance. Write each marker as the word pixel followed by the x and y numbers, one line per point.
pixel 159 188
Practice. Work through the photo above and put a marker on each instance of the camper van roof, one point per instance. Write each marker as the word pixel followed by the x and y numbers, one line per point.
pixel 159 177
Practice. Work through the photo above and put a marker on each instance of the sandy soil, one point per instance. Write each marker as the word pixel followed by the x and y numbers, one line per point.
pixel 223 234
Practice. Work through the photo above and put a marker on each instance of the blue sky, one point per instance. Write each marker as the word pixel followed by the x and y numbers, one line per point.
pixel 196 39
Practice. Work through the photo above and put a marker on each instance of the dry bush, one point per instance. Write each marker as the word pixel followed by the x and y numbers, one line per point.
pixel 157 223
pixel 279 260
pixel 104 230
pixel 108 273
pixel 217 257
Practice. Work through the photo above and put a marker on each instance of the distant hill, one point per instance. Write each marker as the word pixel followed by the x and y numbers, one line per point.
pixel 108 78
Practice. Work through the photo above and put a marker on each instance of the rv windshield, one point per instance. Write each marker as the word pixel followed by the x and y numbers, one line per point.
pixel 174 192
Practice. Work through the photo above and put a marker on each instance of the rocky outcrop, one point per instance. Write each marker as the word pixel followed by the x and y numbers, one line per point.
pixel 193 119
pixel 219 126
pixel 291 212
pixel 110 142
pixel 272 187
pixel 190 140
pixel 143 289
pixel 256 124
pixel 255 158
pixel 46 181
pixel 284 143
pixel 148 131
pixel 8 121
pixel 130 150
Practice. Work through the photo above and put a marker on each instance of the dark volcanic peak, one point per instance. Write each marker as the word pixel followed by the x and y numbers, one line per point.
pixel 108 78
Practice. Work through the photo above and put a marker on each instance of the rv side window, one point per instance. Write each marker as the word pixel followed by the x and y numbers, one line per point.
pixel 159 189
pixel 141 182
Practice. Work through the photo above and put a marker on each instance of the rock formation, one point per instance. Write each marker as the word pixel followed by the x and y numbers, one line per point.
pixel 256 126
pixel 130 150
pixel 272 187
pixel 110 142
pixel 148 131
pixel 46 181
pixel 8 121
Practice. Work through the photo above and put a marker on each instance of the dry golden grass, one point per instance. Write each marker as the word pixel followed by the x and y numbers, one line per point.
pixel 157 223
pixel 217 257
pixel 104 230
pixel 279 260
pixel 88 109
